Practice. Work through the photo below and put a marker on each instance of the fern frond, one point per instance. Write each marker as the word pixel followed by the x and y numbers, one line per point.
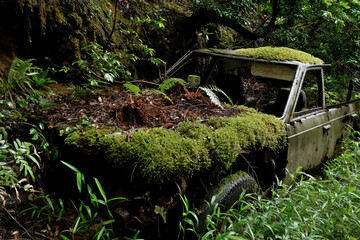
pixel 164 95
pixel 210 91
pixel 19 70
pixel 132 88
pixel 168 83
pixel 211 94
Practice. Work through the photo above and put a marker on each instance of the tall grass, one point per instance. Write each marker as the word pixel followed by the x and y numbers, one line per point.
pixel 326 207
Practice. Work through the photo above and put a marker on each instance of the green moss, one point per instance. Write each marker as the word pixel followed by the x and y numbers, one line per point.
pixel 231 178
pixel 59 16
pixel 89 138
pixel 195 130
pixel 69 19
pixel 159 154
pixel 76 19
pixel 162 155
pixel 251 131
pixel 279 54
pixel 226 146
pixel 227 36
pixel 76 46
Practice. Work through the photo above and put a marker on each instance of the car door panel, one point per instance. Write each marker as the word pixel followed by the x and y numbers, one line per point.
pixel 339 119
pixel 307 141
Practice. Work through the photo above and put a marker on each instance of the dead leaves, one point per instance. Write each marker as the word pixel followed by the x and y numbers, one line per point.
pixel 150 109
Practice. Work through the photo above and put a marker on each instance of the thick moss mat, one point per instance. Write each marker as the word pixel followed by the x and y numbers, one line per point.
pixel 162 155
pixel 279 54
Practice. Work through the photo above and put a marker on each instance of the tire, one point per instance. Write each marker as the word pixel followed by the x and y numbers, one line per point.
pixel 227 193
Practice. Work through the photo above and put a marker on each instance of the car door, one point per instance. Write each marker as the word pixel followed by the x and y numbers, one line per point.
pixel 309 126
pixel 340 121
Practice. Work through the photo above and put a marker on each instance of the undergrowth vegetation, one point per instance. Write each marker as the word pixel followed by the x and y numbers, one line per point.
pixel 323 207
pixel 26 80
pixel 24 152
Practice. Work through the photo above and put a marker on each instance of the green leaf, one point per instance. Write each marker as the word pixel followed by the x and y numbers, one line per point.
pixel 35 137
pixel 164 95
pixel 33 131
pixel 64 237
pixel 132 88
pixel 50 203
pixel 107 222
pixel 236 238
pixel 70 166
pixel 79 178
pixel 29 170
pixel 117 198
pixel 100 189
pixel 209 90
pixel 76 225
pixel 100 233
pixel 109 77
pixel 213 98
pixel 34 160
pixel 96 200
pixel 61 203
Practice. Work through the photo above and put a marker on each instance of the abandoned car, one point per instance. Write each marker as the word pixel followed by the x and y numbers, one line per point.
pixel 283 123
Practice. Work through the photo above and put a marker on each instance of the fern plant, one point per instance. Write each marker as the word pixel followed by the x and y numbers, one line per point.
pixel 132 88
pixel 210 91
pixel 164 95
pixel 168 83
pixel 25 79
pixel 80 91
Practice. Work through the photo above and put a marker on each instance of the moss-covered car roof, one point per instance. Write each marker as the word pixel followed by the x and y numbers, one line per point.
pixel 278 54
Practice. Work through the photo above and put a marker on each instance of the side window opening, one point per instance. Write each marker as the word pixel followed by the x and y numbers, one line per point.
pixel 310 96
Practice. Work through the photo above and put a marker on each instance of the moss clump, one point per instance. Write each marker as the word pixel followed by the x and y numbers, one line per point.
pixel 195 130
pixel 162 155
pixel 279 54
pixel 251 131
pixel 89 138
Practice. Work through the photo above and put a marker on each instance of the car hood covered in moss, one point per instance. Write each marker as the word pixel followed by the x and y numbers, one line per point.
pixel 163 155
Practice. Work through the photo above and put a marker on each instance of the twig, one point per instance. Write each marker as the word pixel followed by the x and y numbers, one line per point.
pixel 17 221
pixel 96 75
pixel 146 82
pixel 132 172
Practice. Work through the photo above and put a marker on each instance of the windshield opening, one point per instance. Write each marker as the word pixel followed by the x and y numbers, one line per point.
pixel 263 86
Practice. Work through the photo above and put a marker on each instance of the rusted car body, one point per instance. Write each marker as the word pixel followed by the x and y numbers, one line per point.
pixel 293 91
